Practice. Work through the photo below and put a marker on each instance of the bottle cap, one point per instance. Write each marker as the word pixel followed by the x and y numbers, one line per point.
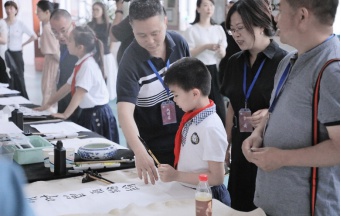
pixel 202 177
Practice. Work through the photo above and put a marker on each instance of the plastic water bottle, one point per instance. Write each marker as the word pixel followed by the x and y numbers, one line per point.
pixel 203 197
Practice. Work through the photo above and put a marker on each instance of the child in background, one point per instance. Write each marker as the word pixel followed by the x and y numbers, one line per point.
pixel 201 141
pixel 87 86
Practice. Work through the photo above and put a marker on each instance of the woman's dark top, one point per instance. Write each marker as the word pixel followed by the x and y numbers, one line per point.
pixel 124 33
pixel 102 33
pixel 242 173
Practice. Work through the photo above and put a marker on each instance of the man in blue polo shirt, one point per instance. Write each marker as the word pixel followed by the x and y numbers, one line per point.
pixel 145 105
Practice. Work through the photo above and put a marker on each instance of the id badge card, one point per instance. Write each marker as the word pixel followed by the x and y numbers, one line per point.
pixel 168 112
pixel 245 124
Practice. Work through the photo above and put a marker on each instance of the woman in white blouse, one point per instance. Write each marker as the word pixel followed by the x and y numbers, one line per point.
pixel 207 42
pixel 16 29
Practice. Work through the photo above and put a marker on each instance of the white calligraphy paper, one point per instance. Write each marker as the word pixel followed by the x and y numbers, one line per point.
pixel 7 91
pixel 9 128
pixel 14 100
pixel 102 199
pixel 59 128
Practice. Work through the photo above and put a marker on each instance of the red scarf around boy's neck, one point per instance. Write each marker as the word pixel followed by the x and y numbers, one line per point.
pixel 185 118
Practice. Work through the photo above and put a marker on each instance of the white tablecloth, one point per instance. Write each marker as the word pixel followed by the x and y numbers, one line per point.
pixel 71 197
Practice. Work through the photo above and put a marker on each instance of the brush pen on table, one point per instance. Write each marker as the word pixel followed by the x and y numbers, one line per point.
pixel 100 179
pixel 149 151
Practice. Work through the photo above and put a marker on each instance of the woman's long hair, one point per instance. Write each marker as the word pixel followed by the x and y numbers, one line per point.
pixel 105 16
pixel 197 15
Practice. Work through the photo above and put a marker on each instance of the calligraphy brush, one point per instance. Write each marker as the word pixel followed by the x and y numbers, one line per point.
pixel 149 151
pixel 100 179
pixel 97 176
pixel 92 175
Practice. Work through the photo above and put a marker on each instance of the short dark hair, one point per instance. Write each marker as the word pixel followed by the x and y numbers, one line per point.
pixel 144 9
pixel 325 10
pixel 47 6
pixel 11 4
pixel 61 13
pixel 254 13
pixel 189 73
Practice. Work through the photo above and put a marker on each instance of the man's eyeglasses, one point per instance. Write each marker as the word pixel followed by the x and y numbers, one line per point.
pixel 237 30
pixel 63 32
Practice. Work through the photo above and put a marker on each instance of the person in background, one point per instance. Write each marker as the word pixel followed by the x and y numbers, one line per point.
pixel 232 47
pixel 87 86
pixel 201 141
pixel 3 47
pixel 207 42
pixel 248 82
pixel 12 197
pixel 281 146
pixel 121 30
pixel 49 47
pixel 16 30
pixel 101 26
pixel 144 104
pixel 274 24
pixel 61 26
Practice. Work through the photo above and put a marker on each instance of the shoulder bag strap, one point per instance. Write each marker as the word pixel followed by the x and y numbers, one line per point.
pixel 314 170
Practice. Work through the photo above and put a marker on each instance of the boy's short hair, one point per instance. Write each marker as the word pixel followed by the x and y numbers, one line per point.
pixel 189 73
pixel 144 9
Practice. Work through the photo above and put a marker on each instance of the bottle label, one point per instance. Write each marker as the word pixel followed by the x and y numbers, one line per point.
pixel 203 208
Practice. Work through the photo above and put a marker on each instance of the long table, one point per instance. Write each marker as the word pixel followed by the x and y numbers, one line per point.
pixel 37 171
pixel 127 196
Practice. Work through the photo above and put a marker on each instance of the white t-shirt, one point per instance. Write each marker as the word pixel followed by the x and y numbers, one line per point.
pixel 205 142
pixel 15 33
pixel 197 35
pixel 89 77
pixel 3 31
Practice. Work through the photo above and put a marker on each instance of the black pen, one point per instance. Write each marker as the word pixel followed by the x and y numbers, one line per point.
pixel 149 151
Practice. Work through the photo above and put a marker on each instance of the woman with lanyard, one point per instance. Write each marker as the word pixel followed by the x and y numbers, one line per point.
pixel 207 42
pixel 16 29
pixel 248 83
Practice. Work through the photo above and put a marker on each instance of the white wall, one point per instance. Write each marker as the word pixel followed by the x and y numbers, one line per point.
pixel 186 10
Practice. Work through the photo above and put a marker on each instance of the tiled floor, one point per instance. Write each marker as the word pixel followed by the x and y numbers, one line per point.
pixel 33 87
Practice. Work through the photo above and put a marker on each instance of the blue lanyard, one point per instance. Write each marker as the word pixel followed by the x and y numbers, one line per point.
pixel 283 80
pixel 158 75
pixel 247 94
pixel 330 37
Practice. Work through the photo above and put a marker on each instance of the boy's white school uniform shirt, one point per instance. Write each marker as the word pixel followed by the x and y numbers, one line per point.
pixel 89 77
pixel 206 141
